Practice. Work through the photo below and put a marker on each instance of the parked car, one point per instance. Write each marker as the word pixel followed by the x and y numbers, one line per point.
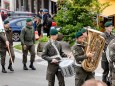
pixel 17 17
pixel 17 25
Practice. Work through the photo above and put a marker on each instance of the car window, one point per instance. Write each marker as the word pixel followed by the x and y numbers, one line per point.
pixel 23 22
pixel 19 23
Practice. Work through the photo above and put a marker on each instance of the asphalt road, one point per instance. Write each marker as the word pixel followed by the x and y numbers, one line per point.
pixel 30 77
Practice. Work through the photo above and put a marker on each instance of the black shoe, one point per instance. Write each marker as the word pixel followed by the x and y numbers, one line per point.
pixel 25 67
pixel 3 69
pixel 32 67
pixel 10 68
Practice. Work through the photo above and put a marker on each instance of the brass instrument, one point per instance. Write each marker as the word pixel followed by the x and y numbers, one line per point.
pixel 95 44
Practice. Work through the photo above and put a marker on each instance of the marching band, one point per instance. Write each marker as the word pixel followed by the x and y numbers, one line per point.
pixel 53 54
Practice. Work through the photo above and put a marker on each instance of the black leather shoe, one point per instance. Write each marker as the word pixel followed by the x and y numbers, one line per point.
pixel 10 68
pixel 32 67
pixel 4 71
pixel 25 67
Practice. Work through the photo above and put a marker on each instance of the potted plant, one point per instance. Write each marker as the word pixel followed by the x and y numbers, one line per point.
pixel 41 43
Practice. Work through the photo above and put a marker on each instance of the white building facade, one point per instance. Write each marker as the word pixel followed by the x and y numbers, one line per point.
pixel 29 5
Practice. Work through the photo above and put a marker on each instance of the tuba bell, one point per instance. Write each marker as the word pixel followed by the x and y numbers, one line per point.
pixel 95 44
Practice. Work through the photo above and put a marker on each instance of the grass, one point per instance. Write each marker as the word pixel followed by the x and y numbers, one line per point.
pixel 19 47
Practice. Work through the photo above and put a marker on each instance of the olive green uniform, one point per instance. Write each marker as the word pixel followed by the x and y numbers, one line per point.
pixel 104 62
pixel 53 69
pixel 27 38
pixel 9 34
pixel 3 48
pixel 111 60
pixel 79 55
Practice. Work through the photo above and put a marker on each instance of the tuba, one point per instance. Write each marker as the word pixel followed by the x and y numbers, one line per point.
pixel 94 44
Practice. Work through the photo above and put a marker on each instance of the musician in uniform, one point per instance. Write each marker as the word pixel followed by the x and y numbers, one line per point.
pixel 79 55
pixel 84 32
pixel 8 33
pixel 111 60
pixel 53 63
pixel 27 38
pixel 108 36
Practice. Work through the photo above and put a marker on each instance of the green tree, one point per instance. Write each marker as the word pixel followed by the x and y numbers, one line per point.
pixel 75 14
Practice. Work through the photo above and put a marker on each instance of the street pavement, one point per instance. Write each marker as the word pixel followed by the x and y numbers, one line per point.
pixel 30 77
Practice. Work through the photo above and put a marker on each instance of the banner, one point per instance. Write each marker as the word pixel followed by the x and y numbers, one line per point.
pixel 1 25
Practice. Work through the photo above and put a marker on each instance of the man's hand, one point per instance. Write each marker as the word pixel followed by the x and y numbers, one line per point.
pixel 7 43
pixel 54 61
pixel 69 55
pixel 25 47
pixel 90 55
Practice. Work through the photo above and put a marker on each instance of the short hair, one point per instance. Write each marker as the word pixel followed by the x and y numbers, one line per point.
pixel 93 82
pixel 100 82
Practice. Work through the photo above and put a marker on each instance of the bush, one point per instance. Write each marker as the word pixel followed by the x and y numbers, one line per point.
pixel 44 39
pixel 76 14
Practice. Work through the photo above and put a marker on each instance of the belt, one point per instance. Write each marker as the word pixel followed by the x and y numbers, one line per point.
pixel 77 64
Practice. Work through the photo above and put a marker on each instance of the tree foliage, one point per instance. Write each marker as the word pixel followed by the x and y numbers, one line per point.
pixel 75 14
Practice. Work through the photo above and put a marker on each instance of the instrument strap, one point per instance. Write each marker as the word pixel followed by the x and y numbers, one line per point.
pixel 58 54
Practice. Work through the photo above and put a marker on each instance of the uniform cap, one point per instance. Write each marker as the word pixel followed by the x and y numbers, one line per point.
pixel 53 32
pixel 83 30
pixel 6 22
pixel 78 34
pixel 28 20
pixel 107 24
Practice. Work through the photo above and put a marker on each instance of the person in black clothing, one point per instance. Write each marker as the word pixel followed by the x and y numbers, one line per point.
pixel 47 21
pixel 38 26
pixel 3 16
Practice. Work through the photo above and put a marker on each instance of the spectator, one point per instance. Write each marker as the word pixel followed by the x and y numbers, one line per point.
pixel 40 13
pixel 38 26
pixel 34 23
pixel 3 16
pixel 47 22
pixel 93 82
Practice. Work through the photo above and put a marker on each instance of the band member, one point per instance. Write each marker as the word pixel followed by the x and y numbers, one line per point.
pixel 6 37
pixel 111 60
pixel 3 45
pixel 84 32
pixel 27 38
pixel 53 67
pixel 108 36
pixel 79 55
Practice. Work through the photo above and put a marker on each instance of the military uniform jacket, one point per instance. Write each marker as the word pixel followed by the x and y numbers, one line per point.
pixel 108 38
pixel 112 50
pixel 9 35
pixel 27 36
pixel 50 51
pixel 78 52
pixel 3 39
pixel 112 55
